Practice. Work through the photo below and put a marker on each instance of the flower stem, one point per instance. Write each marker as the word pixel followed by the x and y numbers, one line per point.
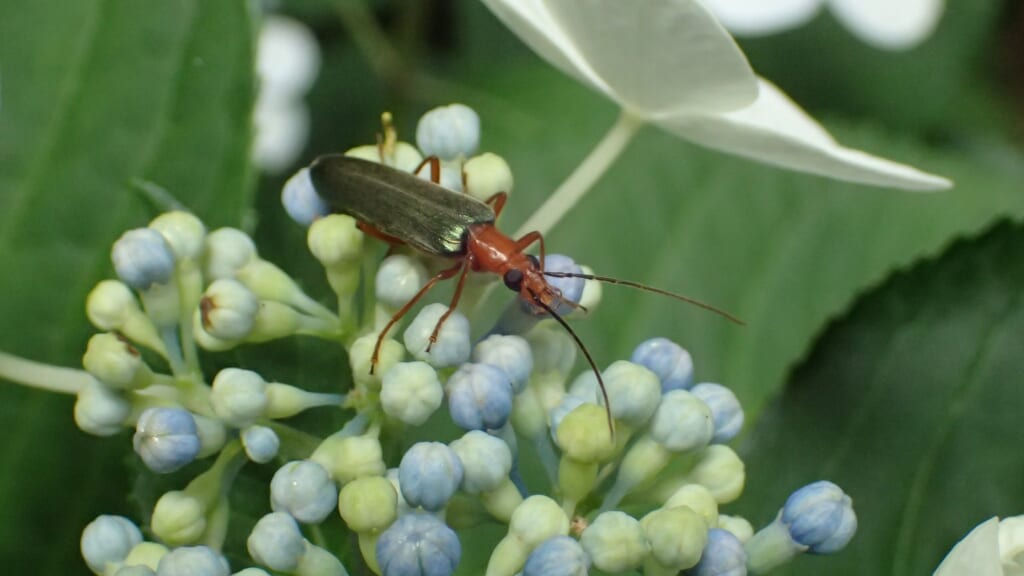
pixel 584 176
pixel 42 376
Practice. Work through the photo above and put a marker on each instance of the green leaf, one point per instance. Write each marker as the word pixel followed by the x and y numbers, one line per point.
pixel 97 94
pixel 912 404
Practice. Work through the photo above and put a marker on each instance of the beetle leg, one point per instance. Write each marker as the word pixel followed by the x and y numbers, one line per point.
pixel 497 202
pixel 442 275
pixel 435 169
pixel 467 264
pixel 527 239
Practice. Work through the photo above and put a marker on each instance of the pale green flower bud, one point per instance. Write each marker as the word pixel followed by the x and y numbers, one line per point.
pixel 534 521
pixel 368 504
pixel 319 562
pixel 228 310
pixel 583 434
pixel 553 349
pixel 641 464
pixel 411 392
pixel 100 410
pixel 590 299
pixel 487 174
pixel 238 396
pixel 739 527
pixel 720 469
pixel 146 554
pixel 682 422
pixel 404 156
pixel 227 250
pixel 284 401
pixel 349 457
pixel 179 519
pixel 633 391
pixel 112 306
pixel 676 536
pixel 361 352
pixel 183 232
pixel 212 435
pixel 335 241
pixel 204 339
pixel 116 363
pixel 696 498
pixel 615 542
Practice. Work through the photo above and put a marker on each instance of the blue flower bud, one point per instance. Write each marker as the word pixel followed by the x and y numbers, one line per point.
pixel 558 556
pixel 399 278
pixel 448 132
pixel 193 561
pixel 725 410
pixel 486 461
pixel 570 288
pixel 429 474
pixel 305 490
pixel 479 397
pixel 418 544
pixel 452 346
pixel 723 556
pixel 276 542
pixel 166 439
pixel 820 516
pixel 108 540
pixel 261 444
pixel 142 258
pixel 300 199
pixel 682 422
pixel 510 353
pixel 668 360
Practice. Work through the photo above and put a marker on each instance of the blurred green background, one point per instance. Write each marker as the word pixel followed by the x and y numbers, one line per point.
pixel 883 341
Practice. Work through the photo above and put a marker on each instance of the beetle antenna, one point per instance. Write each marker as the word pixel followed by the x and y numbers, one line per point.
pixel 586 353
pixel 647 288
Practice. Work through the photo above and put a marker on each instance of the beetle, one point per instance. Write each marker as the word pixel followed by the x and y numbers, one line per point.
pixel 402 208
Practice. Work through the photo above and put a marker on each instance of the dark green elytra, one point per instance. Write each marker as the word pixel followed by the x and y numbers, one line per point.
pixel 422 214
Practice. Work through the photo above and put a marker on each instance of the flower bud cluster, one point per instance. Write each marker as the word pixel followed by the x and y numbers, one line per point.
pixel 642 436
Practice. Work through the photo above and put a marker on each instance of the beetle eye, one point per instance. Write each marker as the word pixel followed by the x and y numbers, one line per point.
pixel 533 260
pixel 513 279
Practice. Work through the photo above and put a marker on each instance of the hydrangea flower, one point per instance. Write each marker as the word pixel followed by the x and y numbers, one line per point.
pixel 886 25
pixel 671 64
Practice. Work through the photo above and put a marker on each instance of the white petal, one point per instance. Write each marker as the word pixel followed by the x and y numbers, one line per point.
pixel 777 131
pixel 287 56
pixel 976 555
pixel 282 128
pixel 659 55
pixel 889 24
pixel 532 23
pixel 763 17
pixel 1011 544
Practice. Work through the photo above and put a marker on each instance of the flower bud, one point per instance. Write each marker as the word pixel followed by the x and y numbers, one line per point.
pixel 820 516
pixel 227 250
pixel 583 434
pixel 452 345
pixel 696 498
pixel 676 536
pixel 633 392
pixel 726 411
pixel 535 520
pixel 448 132
pixel 418 543
pixel 261 443
pixel 668 360
pixel 558 556
pixel 739 527
pixel 449 176
pixel 108 540
pixel 479 397
pixel 276 542
pixel 228 310
pixel 143 258
pixel 193 561
pixel 368 504
pixel 178 519
pixel 238 396
pixel 361 353
pixel 511 354
pixel 410 392
pixel 350 457
pixel 486 175
pixel 147 554
pixel 166 439
pixel 183 232
pixel 682 422
pixel 429 474
pixel 300 199
pixel 335 241
pixel 721 471
pixel 305 490
pixel 615 542
pixel 116 363
pixel 100 410
pixel 399 278
pixel 404 156
pixel 486 461
pixel 723 556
